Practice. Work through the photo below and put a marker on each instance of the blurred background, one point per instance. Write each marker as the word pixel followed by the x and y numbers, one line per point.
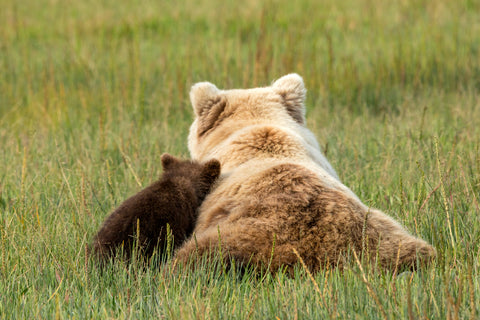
pixel 93 92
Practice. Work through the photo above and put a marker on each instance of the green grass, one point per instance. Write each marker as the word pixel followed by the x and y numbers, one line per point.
pixel 93 92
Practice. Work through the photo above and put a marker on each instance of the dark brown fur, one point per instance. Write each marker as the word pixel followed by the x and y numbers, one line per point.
pixel 173 200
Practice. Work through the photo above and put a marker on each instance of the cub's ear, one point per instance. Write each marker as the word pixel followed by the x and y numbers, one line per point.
pixel 208 103
pixel 211 171
pixel 293 93
pixel 168 160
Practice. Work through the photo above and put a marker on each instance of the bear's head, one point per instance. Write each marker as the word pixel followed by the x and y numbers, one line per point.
pixel 221 113
pixel 200 176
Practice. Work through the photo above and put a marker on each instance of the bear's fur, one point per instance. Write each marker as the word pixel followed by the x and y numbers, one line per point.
pixel 277 193
pixel 173 199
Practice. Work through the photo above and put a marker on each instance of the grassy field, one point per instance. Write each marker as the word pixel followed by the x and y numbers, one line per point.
pixel 93 92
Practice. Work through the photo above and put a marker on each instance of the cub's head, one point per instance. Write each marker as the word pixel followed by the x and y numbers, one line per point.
pixel 219 113
pixel 200 176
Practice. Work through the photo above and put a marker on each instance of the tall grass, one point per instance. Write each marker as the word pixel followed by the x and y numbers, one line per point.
pixel 92 92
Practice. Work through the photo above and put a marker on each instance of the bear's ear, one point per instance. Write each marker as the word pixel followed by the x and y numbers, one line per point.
pixel 211 171
pixel 168 160
pixel 201 95
pixel 208 103
pixel 293 93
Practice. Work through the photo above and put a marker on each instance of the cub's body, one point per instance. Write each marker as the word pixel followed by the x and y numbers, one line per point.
pixel 173 199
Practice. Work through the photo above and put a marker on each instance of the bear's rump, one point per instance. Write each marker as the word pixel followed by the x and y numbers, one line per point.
pixel 288 200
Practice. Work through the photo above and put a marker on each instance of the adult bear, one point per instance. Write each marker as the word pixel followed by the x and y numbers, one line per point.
pixel 278 197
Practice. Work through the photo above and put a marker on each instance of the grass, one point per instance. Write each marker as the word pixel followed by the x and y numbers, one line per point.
pixel 93 92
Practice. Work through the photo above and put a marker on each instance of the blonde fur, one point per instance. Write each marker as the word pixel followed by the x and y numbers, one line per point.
pixel 277 190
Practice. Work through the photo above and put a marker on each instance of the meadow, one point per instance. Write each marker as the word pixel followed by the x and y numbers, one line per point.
pixel 93 92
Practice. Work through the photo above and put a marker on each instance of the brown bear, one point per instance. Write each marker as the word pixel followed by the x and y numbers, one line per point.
pixel 173 199
pixel 278 197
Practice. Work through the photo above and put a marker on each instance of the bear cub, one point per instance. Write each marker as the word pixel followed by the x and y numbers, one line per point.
pixel 173 199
